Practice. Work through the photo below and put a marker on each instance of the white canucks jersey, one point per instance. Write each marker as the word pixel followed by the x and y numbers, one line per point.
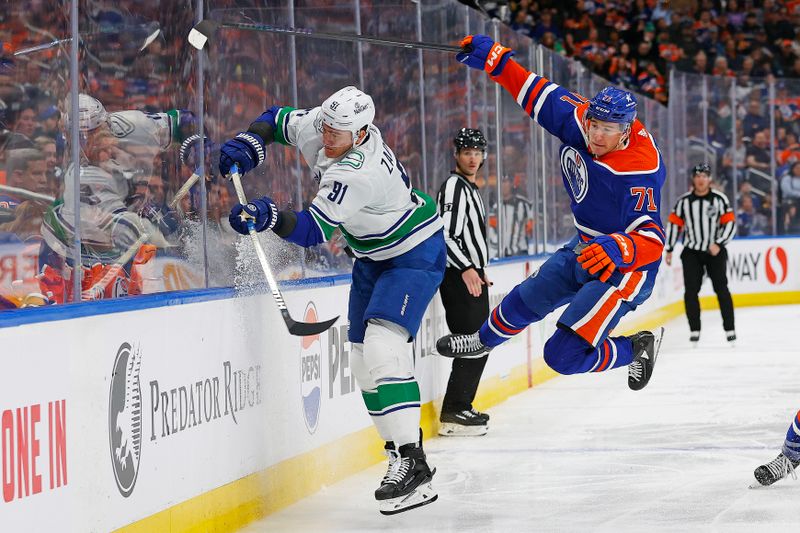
pixel 366 192
pixel 107 227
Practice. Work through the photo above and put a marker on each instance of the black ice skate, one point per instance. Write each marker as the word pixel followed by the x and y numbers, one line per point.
pixel 466 346
pixel 645 352
pixel 730 336
pixel 694 337
pixel 407 483
pixel 775 470
pixel 466 423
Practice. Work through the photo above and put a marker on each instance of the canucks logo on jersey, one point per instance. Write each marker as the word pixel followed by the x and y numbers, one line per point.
pixel 575 171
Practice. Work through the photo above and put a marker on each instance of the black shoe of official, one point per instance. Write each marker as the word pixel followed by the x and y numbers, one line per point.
pixel 464 423
pixel 775 470
pixel 458 346
pixel 730 336
pixel 645 353
pixel 694 337
pixel 407 483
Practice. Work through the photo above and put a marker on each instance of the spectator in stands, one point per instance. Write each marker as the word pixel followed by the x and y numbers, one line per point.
pixel 25 169
pixel 790 184
pixel 720 68
pixel 791 149
pixel 746 191
pixel 749 222
pixel 546 24
pixel 25 119
pixel 49 122
pixel 47 146
pixel 790 220
pixel 758 153
pixel 754 120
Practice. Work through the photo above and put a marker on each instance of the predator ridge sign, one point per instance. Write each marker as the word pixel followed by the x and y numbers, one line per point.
pixel 167 409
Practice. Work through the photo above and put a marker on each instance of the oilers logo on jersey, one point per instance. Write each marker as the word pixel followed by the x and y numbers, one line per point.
pixel 575 171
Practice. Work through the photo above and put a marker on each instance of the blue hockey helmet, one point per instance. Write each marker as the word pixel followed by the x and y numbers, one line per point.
pixel 613 105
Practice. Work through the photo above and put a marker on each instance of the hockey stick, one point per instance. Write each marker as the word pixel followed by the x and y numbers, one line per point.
pixel 204 31
pixel 184 189
pixel 94 292
pixel 25 193
pixel 46 46
pixel 300 329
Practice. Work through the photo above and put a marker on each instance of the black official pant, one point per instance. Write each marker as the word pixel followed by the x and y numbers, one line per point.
pixel 695 264
pixel 464 314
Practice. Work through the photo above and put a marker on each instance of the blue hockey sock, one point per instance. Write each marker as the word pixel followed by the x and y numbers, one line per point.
pixel 791 447
pixel 613 353
pixel 510 317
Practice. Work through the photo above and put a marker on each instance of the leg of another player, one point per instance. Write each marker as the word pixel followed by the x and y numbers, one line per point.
pixel 546 289
pixel 464 314
pixel 692 281
pixel 787 461
pixel 716 269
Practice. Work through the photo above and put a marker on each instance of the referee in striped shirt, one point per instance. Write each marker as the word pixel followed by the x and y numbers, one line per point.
pixel 464 290
pixel 707 221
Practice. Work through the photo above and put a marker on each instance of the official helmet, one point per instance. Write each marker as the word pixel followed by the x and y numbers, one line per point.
pixel 701 168
pixel 613 105
pixel 348 109
pixel 470 138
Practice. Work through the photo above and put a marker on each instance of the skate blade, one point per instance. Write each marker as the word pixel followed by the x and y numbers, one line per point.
pixel 422 495
pixel 448 429
pixel 757 485
pixel 658 344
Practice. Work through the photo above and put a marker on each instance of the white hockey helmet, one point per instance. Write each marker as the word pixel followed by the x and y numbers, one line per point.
pixel 348 109
pixel 91 113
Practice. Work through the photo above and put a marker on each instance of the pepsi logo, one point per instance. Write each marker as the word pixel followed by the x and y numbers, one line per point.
pixel 310 372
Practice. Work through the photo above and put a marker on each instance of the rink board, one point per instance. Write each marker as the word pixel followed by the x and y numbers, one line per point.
pixel 236 418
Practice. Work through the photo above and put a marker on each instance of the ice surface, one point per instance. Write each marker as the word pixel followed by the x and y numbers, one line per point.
pixel 584 453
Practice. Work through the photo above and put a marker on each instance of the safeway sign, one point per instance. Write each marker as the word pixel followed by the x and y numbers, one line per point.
pixel 763 265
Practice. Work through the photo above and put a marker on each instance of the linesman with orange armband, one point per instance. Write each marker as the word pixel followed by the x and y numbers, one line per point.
pixel 705 218
pixel 613 172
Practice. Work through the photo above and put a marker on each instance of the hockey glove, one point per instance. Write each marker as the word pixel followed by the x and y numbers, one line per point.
pixel 606 253
pixel 245 150
pixel 263 212
pixel 482 53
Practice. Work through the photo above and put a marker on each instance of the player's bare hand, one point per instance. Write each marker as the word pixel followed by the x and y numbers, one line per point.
pixel 668 258
pixel 473 281
pixel 714 249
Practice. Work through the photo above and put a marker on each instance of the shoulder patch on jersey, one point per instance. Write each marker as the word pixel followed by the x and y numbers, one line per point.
pixel 120 126
pixel 576 172
pixel 354 158
pixel 639 157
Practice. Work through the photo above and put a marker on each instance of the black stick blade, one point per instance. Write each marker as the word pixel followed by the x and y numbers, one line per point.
pixel 306 329
pixel 202 32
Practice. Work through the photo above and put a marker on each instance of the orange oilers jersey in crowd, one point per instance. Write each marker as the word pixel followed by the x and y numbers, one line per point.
pixel 619 192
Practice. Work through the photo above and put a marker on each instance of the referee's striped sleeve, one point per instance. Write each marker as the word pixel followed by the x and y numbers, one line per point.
pixel 727 222
pixel 452 210
pixel 674 226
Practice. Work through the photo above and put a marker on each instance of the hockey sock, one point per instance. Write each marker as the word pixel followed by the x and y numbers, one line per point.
pixel 397 407
pixel 507 319
pixel 381 423
pixel 791 446
pixel 613 353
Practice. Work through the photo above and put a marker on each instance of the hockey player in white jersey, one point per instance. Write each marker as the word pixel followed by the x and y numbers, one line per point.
pixel 396 236
pixel 115 149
